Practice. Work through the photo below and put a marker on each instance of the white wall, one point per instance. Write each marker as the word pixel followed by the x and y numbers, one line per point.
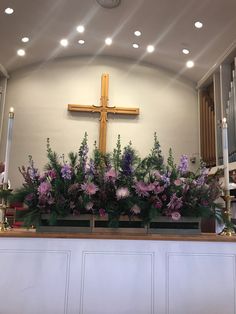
pixel 40 94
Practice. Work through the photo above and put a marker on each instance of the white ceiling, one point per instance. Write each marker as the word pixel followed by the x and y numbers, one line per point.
pixel 167 24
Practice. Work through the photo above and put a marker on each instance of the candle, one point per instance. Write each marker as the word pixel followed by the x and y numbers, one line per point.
pixel 8 145
pixel 225 153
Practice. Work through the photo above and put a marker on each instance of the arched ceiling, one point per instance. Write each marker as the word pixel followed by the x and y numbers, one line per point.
pixel 166 24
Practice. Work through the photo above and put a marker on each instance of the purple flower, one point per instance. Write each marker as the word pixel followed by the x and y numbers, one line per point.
pixel 175 202
pixel 66 172
pixel 127 160
pixel 122 193
pixel 33 173
pixel 183 165
pixel 166 179
pixel 141 188
pixel 89 188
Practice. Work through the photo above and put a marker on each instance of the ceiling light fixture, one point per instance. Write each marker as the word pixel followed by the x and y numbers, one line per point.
pixel 80 29
pixel 136 46
pixel 185 51
pixel 137 33
pixel 109 4
pixel 64 42
pixel 150 48
pixel 21 52
pixel 25 39
pixel 189 64
pixel 9 10
pixel 198 24
pixel 81 41
pixel 108 41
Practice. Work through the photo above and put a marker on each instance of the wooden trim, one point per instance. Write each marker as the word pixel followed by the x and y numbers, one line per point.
pixel 204 237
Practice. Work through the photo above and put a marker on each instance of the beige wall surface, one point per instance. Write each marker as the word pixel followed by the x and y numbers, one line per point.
pixel 40 94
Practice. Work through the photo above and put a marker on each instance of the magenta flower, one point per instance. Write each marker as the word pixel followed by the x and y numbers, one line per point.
pixel 110 175
pixel 89 188
pixel 102 212
pixel 52 174
pixel 175 216
pixel 141 188
pixel 158 204
pixel 122 193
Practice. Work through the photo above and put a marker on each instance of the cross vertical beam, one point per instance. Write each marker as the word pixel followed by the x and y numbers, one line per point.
pixel 103 109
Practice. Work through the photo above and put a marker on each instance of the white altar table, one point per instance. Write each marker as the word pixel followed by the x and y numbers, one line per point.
pixel 116 274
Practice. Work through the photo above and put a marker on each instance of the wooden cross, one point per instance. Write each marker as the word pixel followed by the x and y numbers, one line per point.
pixel 103 109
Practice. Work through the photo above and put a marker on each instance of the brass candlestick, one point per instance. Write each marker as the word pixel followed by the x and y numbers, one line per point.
pixel 227 215
pixel 4 197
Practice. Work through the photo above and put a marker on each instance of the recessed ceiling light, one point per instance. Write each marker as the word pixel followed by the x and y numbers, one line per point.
pixel 21 52
pixel 150 48
pixel 64 42
pixel 109 4
pixel 9 10
pixel 81 41
pixel 189 64
pixel 198 24
pixel 108 41
pixel 80 29
pixel 136 46
pixel 185 51
pixel 25 39
pixel 137 33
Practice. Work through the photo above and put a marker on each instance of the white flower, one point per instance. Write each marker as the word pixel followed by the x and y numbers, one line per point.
pixel 122 193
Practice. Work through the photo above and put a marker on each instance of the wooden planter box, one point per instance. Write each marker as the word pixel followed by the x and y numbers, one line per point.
pixel 70 224
pixel 166 225
pixel 125 225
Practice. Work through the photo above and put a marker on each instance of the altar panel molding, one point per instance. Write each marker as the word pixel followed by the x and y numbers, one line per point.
pixel 122 259
pixel 32 263
pixel 206 263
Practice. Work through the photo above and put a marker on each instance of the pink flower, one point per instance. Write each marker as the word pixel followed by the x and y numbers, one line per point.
pixel 89 188
pixel 110 175
pixel 44 188
pixel 102 212
pixel 135 209
pixel 175 215
pixel 141 188
pixel 177 182
pixel 122 193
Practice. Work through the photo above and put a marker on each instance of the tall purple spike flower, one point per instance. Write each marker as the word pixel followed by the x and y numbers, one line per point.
pixel 127 160
pixel 83 153
pixel 183 165
pixel 66 172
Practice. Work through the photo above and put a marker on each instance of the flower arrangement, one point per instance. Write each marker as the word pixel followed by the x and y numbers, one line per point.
pixel 116 184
